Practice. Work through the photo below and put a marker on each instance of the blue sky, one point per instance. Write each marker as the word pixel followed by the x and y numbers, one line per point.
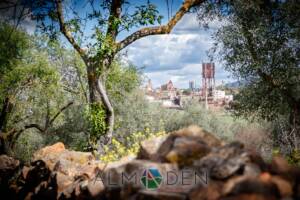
pixel 176 56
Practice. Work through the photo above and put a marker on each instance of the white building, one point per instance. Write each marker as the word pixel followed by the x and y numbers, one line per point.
pixel 218 94
pixel 229 97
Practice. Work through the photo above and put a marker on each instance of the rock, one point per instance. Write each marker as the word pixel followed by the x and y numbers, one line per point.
pixel 49 150
pixel 46 189
pixel 249 185
pixel 149 148
pixel 285 188
pixel 118 163
pixel 231 183
pixel 211 192
pixel 135 169
pixel 186 150
pixel 95 188
pixel 8 166
pixel 35 179
pixel 198 133
pixel 224 161
pixel 182 147
pixel 165 168
pixel 170 183
pixel 74 169
pixel 249 197
pixel 69 163
pixel 255 158
pixel 63 181
pixel 297 192
pixel 25 171
pixel 158 195
pixel 279 165
pixel 56 153
pixel 251 169
pixel 80 158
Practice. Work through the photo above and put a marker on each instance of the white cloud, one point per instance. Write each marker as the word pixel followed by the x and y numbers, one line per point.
pixel 177 56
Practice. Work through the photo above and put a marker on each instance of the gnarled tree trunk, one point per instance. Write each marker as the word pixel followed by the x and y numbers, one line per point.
pixel 4 114
pixel 295 124
pixel 97 91
pixel 98 95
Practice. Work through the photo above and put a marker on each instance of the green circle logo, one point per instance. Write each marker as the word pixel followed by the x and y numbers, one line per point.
pixel 151 178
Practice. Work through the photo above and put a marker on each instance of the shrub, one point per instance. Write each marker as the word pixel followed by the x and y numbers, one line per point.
pixel 221 123
pixel 138 119
pixel 257 137
pixel 129 147
pixel 29 142
pixel 294 157
pixel 135 114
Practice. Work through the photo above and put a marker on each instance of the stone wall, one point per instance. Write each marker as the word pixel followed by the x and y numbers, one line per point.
pixel 187 164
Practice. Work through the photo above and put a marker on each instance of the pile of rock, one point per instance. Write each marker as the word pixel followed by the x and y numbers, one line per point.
pixel 187 164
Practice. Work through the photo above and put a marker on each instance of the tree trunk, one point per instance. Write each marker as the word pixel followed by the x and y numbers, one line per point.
pixel 295 124
pixel 109 111
pixel 5 111
pixel 98 94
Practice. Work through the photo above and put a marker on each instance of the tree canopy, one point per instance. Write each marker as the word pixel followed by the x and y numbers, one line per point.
pixel 259 43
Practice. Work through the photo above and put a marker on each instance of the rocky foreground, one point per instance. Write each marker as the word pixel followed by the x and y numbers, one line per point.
pixel 187 164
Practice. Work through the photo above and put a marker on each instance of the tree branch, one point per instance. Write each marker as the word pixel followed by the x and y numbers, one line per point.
pixel 66 32
pixel 157 30
pixel 38 127
pixel 14 134
pixel 115 13
pixel 59 112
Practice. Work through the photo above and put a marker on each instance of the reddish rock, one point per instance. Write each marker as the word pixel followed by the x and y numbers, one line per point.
pixel 156 195
pixel 63 181
pixel 249 197
pixel 279 165
pixel 53 149
pixel 234 173
pixel 248 185
pixel 211 192
pixel 95 188
pixel 8 166
pixel 285 188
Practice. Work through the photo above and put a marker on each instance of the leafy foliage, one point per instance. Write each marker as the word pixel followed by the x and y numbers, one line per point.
pixel 24 76
pixel 13 47
pixel 135 114
pixel 138 120
pixel 258 44
pixel 121 80
pixel 96 117
pixel 129 147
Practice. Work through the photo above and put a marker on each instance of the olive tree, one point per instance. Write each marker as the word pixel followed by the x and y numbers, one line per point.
pixel 110 18
pixel 259 44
